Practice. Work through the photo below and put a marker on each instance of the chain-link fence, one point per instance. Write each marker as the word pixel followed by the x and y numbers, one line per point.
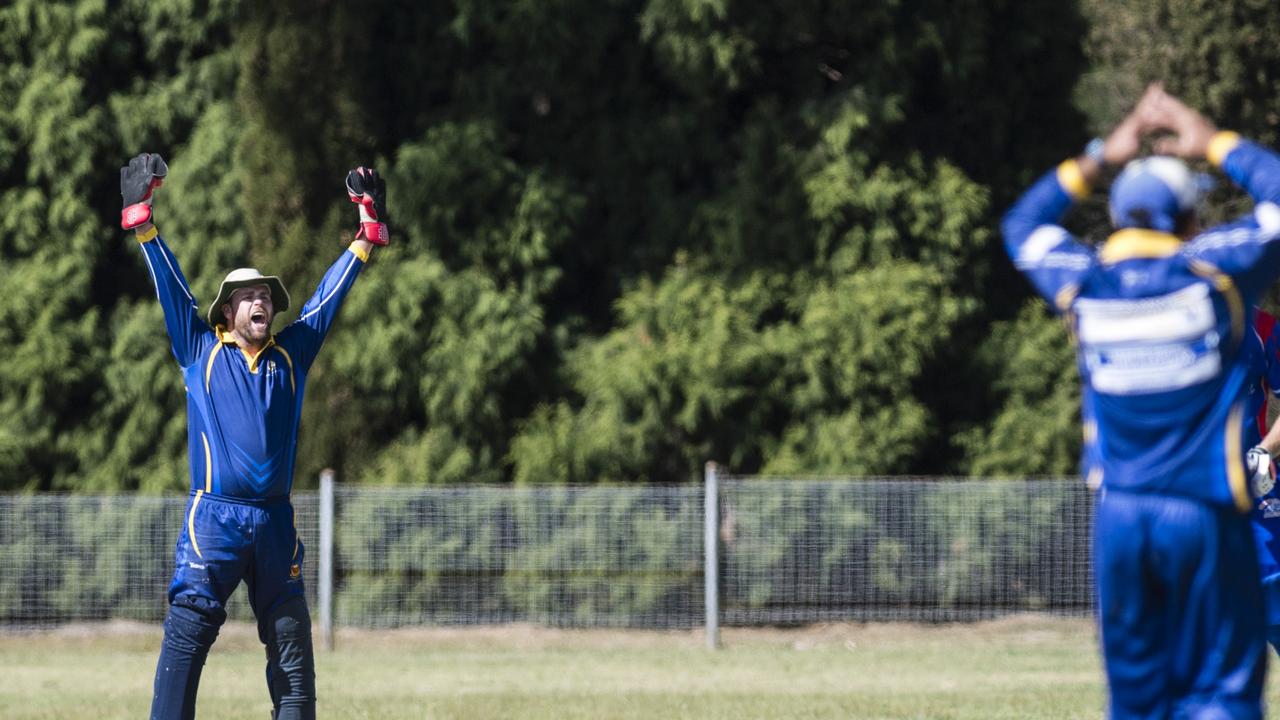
pixel 790 551
pixel 574 556
pixel 803 551
pixel 72 558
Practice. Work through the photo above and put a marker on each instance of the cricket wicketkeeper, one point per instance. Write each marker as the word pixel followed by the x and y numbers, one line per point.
pixel 244 398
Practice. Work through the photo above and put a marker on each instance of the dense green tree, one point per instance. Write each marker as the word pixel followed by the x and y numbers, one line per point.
pixel 78 87
pixel 874 255
pixel 1037 431
pixel 1212 54
pixel 629 236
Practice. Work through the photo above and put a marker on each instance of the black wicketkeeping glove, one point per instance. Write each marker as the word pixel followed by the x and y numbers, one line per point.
pixel 138 180
pixel 369 191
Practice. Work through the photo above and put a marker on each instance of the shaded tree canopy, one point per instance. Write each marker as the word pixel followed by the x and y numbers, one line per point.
pixel 628 236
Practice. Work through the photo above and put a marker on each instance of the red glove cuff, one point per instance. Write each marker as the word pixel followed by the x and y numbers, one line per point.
pixel 371 228
pixel 135 215
pixel 374 232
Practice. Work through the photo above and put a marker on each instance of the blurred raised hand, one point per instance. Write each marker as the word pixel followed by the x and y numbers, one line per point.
pixel 1190 131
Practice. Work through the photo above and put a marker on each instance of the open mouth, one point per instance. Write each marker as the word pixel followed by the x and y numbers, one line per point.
pixel 258 317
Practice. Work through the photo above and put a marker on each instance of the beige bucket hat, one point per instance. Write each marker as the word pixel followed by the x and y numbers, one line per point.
pixel 247 277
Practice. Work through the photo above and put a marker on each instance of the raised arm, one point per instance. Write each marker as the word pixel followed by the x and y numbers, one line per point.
pixel 303 338
pixel 1246 249
pixel 1052 258
pixel 187 332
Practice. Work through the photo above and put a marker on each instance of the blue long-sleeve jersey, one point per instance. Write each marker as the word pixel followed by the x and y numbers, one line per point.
pixel 243 410
pixel 1159 325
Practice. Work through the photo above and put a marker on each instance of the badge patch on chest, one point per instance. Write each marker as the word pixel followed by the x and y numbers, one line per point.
pixel 1270 508
pixel 295 571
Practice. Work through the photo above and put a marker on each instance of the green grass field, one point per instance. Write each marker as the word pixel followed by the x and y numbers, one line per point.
pixel 1014 668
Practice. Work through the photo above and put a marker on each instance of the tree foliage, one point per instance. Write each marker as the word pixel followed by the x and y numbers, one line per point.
pixel 629 236
pixel 1213 55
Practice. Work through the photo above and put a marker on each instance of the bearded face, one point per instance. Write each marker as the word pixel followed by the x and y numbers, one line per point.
pixel 249 313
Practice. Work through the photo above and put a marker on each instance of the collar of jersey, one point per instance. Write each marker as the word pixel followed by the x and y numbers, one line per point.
pixel 1138 243
pixel 225 338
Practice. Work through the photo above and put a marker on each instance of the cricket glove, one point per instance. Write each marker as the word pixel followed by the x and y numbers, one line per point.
pixel 138 180
pixel 1261 471
pixel 369 191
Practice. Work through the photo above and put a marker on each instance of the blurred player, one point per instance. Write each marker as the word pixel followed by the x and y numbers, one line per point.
pixel 1160 312
pixel 244 397
pixel 1264 352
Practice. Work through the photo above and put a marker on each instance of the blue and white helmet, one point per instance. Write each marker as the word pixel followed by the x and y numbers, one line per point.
pixel 1154 192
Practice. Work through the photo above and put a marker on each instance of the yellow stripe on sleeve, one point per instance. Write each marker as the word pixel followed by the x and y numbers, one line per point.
pixel 1220 146
pixel 359 252
pixel 1072 179
pixel 208 369
pixel 288 360
pixel 147 235
pixel 1066 295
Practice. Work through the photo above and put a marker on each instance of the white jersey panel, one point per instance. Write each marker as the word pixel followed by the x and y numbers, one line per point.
pixel 1149 345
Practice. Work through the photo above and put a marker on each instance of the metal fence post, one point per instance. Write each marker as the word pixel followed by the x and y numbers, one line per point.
pixel 711 564
pixel 325 590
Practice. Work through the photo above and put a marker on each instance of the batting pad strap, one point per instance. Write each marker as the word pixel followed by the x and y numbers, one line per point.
pixel 1071 178
pixel 359 251
pixel 1220 146
pixel 147 235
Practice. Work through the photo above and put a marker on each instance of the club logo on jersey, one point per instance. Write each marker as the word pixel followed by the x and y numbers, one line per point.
pixel 1134 277
pixel 1270 508
pixel 295 571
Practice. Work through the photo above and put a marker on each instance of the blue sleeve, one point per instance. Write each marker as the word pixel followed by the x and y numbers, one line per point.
pixel 1051 258
pixel 1247 249
pixel 303 338
pixel 188 333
